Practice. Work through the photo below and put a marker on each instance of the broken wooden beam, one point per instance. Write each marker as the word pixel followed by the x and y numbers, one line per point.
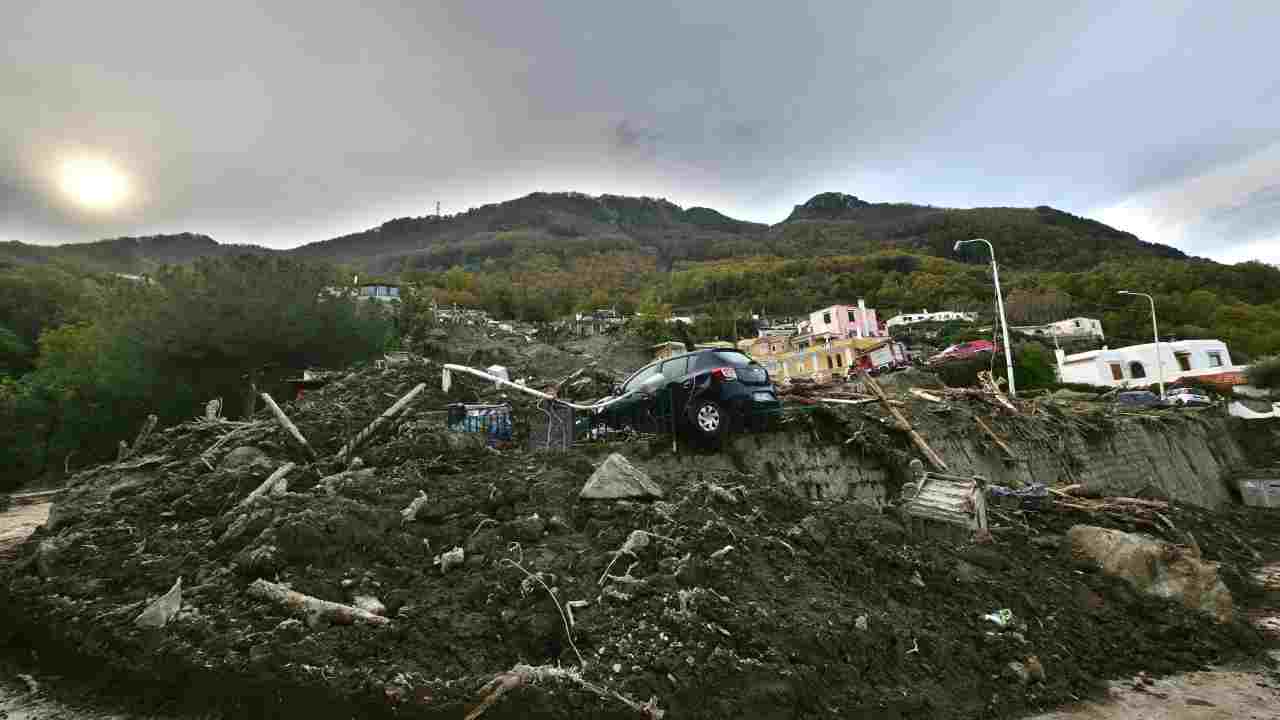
pixel 926 395
pixel 934 458
pixel 989 384
pixel 287 425
pixel 268 485
pixel 315 610
pixel 994 437
pixel 386 417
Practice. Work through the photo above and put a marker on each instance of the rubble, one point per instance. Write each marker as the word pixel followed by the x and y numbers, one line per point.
pixel 733 597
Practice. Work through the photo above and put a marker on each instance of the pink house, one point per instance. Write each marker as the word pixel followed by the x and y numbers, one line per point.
pixel 846 321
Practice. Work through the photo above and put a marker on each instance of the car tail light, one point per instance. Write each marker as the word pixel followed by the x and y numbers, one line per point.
pixel 725 373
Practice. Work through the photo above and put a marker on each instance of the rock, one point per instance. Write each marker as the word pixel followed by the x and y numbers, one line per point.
pixel 1154 567
pixel 161 611
pixel 861 622
pixel 243 457
pixel 450 559
pixel 617 478
pixel 370 604
pixel 410 513
pixel 1034 668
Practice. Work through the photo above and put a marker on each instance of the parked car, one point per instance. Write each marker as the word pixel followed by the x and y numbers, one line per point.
pixel 963 350
pixel 1137 399
pixel 1186 396
pixel 705 393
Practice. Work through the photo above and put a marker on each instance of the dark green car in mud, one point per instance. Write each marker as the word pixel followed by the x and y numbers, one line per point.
pixel 705 393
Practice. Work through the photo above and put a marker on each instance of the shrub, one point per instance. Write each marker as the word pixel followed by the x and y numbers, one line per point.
pixel 1265 373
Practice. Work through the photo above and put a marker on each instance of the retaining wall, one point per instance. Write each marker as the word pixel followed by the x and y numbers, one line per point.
pixel 1187 458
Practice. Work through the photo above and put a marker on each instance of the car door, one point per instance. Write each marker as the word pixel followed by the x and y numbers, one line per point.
pixel 635 409
pixel 671 400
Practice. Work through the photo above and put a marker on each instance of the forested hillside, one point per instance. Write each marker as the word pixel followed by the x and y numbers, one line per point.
pixel 131 255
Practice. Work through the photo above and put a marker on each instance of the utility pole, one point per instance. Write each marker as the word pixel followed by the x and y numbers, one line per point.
pixel 1155 332
pixel 437 209
pixel 1004 325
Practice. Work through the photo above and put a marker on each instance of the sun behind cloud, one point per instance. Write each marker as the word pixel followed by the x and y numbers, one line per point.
pixel 93 183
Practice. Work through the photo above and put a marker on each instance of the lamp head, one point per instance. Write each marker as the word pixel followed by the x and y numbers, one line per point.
pixel 956 247
pixel 1123 292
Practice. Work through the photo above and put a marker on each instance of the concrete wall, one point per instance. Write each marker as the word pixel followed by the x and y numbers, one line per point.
pixel 815 470
pixel 1187 458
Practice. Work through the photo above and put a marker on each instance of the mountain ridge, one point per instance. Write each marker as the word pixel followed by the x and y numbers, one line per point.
pixel 576 223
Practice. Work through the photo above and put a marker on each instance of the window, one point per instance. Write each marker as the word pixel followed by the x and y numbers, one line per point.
pixel 1184 360
pixel 1116 372
pixel 840 361
pixel 1215 359
pixel 831 363
pixel 1136 370
pixel 644 373
pixel 826 318
pixel 676 369
pixel 1077 323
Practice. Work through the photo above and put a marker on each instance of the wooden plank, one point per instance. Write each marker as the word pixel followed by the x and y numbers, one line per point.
pixel 994 437
pixel 934 458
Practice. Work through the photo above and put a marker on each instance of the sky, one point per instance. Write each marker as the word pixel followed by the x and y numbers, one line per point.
pixel 284 122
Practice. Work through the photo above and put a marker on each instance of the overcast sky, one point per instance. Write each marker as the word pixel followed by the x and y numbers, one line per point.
pixel 284 122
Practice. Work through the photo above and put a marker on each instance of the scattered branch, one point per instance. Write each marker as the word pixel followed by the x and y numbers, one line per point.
pixel 268 486
pixel 315 610
pixel 287 425
pixel 373 427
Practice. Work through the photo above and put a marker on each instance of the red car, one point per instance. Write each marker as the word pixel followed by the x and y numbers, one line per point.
pixel 963 350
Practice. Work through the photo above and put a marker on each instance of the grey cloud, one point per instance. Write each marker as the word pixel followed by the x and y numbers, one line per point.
pixel 292 121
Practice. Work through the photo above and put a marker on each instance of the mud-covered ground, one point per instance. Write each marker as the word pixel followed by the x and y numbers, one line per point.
pixel 742 599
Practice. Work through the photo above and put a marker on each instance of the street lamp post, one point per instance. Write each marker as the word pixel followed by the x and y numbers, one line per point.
pixel 1004 326
pixel 1155 332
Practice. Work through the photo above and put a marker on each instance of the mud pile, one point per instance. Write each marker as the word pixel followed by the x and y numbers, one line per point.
pixel 728 596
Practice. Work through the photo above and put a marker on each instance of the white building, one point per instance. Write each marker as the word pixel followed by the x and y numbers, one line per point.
pixel 926 316
pixel 1071 327
pixel 1136 365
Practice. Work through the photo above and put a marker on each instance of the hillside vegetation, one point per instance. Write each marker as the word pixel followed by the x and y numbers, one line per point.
pixel 85 353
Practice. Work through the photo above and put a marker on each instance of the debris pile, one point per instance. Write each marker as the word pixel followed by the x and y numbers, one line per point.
pixel 371 562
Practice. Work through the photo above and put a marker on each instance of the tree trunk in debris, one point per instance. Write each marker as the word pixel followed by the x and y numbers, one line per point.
pixel 251 398
pixel 934 458
pixel 315 610
pixel 290 429
pixel 363 436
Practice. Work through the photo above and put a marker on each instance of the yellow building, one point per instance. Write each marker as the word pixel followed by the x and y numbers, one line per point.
pixel 821 357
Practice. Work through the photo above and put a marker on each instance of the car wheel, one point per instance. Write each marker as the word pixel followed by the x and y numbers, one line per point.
pixel 708 419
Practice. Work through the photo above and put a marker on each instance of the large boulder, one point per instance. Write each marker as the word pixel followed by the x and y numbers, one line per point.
pixel 618 479
pixel 1154 567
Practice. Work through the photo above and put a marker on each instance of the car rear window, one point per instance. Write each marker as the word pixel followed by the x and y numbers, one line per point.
pixel 733 357
pixel 640 377
pixel 675 369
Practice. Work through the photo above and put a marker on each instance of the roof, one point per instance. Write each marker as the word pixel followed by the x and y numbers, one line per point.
pixel 1174 345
